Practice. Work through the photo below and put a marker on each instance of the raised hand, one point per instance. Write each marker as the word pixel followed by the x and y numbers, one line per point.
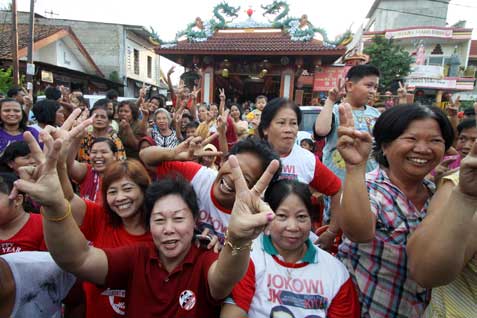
pixel 250 214
pixel 336 93
pixel 195 92
pixel 192 148
pixel 171 70
pixel 222 122
pixel 402 90
pixel 222 94
pixel 42 182
pixel 353 145
pixel 453 106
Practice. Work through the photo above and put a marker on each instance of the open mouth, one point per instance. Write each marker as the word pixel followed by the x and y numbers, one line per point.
pixel 418 161
pixel 226 187
pixel 170 244
pixel 124 206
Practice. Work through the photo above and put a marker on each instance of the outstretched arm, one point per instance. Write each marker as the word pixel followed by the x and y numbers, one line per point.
pixel 64 240
pixel 445 241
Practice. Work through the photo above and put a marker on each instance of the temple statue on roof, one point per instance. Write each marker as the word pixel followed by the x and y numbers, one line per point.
pixel 250 58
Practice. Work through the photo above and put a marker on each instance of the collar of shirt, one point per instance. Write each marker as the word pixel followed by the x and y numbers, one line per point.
pixel 311 256
pixel 190 258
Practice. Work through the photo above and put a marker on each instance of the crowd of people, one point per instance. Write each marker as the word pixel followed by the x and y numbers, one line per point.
pixel 141 209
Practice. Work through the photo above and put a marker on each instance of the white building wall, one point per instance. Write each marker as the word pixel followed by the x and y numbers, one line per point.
pixel 134 43
pixel 66 58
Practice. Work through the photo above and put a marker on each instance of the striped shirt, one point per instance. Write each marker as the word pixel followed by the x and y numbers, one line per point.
pixel 379 268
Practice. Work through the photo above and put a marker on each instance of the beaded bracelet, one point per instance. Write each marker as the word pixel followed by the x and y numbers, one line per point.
pixel 61 218
pixel 236 249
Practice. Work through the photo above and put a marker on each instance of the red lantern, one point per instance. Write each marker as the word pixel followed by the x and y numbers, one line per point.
pixel 250 12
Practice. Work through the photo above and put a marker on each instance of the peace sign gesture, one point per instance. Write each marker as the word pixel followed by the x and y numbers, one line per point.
pixel 402 90
pixel 453 107
pixel 250 214
pixel 336 93
pixel 42 182
pixel 222 94
pixel 353 145
pixel 192 148
pixel 195 92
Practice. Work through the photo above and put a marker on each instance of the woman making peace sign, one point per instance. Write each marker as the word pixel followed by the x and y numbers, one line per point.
pixel 171 277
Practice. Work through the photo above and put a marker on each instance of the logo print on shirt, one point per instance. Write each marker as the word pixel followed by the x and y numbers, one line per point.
pixel 187 299
pixel 116 300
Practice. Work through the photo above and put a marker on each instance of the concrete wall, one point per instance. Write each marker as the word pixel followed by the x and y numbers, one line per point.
pixel 133 42
pixel 393 14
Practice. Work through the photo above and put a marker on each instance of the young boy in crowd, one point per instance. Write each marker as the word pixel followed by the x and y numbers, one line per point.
pixel 254 116
pixel 360 87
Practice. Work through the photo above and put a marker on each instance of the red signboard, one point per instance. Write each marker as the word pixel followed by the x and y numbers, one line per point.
pixel 328 78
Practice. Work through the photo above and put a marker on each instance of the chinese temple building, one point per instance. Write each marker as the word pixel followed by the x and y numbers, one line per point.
pixel 250 58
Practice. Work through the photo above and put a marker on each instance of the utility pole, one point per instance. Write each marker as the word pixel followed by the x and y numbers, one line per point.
pixel 15 65
pixel 30 66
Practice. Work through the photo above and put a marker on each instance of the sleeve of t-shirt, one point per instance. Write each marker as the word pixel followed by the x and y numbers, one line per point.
pixel 121 265
pixel 324 180
pixel 187 169
pixel 93 217
pixel 345 304
pixel 244 290
pixel 334 124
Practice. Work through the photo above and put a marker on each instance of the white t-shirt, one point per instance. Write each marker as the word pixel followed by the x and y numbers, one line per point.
pixel 317 286
pixel 40 284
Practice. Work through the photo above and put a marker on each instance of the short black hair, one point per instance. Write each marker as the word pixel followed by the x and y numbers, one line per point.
pixel 394 121
pixel 169 186
pixel 356 73
pixel 52 93
pixel 23 122
pixel 466 124
pixel 13 150
pixel 45 111
pixel 112 94
pixel 271 110
pixel 278 191
pixel 102 102
pixel 12 92
pixel 107 140
pixel 261 97
pixel 96 107
pixel 6 182
pixel 261 148
pixel 308 141
pixel 188 116
pixel 192 124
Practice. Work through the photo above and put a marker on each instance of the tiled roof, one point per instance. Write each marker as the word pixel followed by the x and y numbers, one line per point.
pixel 41 32
pixel 252 43
pixel 473 49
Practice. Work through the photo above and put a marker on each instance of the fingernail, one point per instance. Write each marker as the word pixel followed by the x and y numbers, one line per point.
pixel 270 216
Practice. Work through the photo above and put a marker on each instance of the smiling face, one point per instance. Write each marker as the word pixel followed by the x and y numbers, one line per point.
pixel 213 111
pixel 101 155
pixel 291 226
pixel 417 151
pixel 465 141
pixel 203 113
pixel 224 187
pixel 172 228
pixel 235 112
pixel 100 121
pixel 282 132
pixel 362 91
pixel 11 113
pixel 125 198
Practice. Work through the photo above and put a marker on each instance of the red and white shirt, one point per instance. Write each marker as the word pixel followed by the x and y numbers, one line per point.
pixel 305 167
pixel 28 238
pixel 318 286
pixel 212 215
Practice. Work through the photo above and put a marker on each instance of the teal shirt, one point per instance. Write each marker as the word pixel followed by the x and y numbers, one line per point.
pixel 364 120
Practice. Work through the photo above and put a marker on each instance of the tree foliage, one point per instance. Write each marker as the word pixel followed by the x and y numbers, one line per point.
pixel 392 61
pixel 6 80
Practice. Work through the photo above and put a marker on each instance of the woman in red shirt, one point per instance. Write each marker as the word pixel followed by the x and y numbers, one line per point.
pixel 170 278
pixel 19 231
pixel 89 175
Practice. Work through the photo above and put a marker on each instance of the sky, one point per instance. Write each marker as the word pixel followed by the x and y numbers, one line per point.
pixel 169 17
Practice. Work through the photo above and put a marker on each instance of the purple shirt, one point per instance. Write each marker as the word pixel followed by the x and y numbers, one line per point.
pixel 6 138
